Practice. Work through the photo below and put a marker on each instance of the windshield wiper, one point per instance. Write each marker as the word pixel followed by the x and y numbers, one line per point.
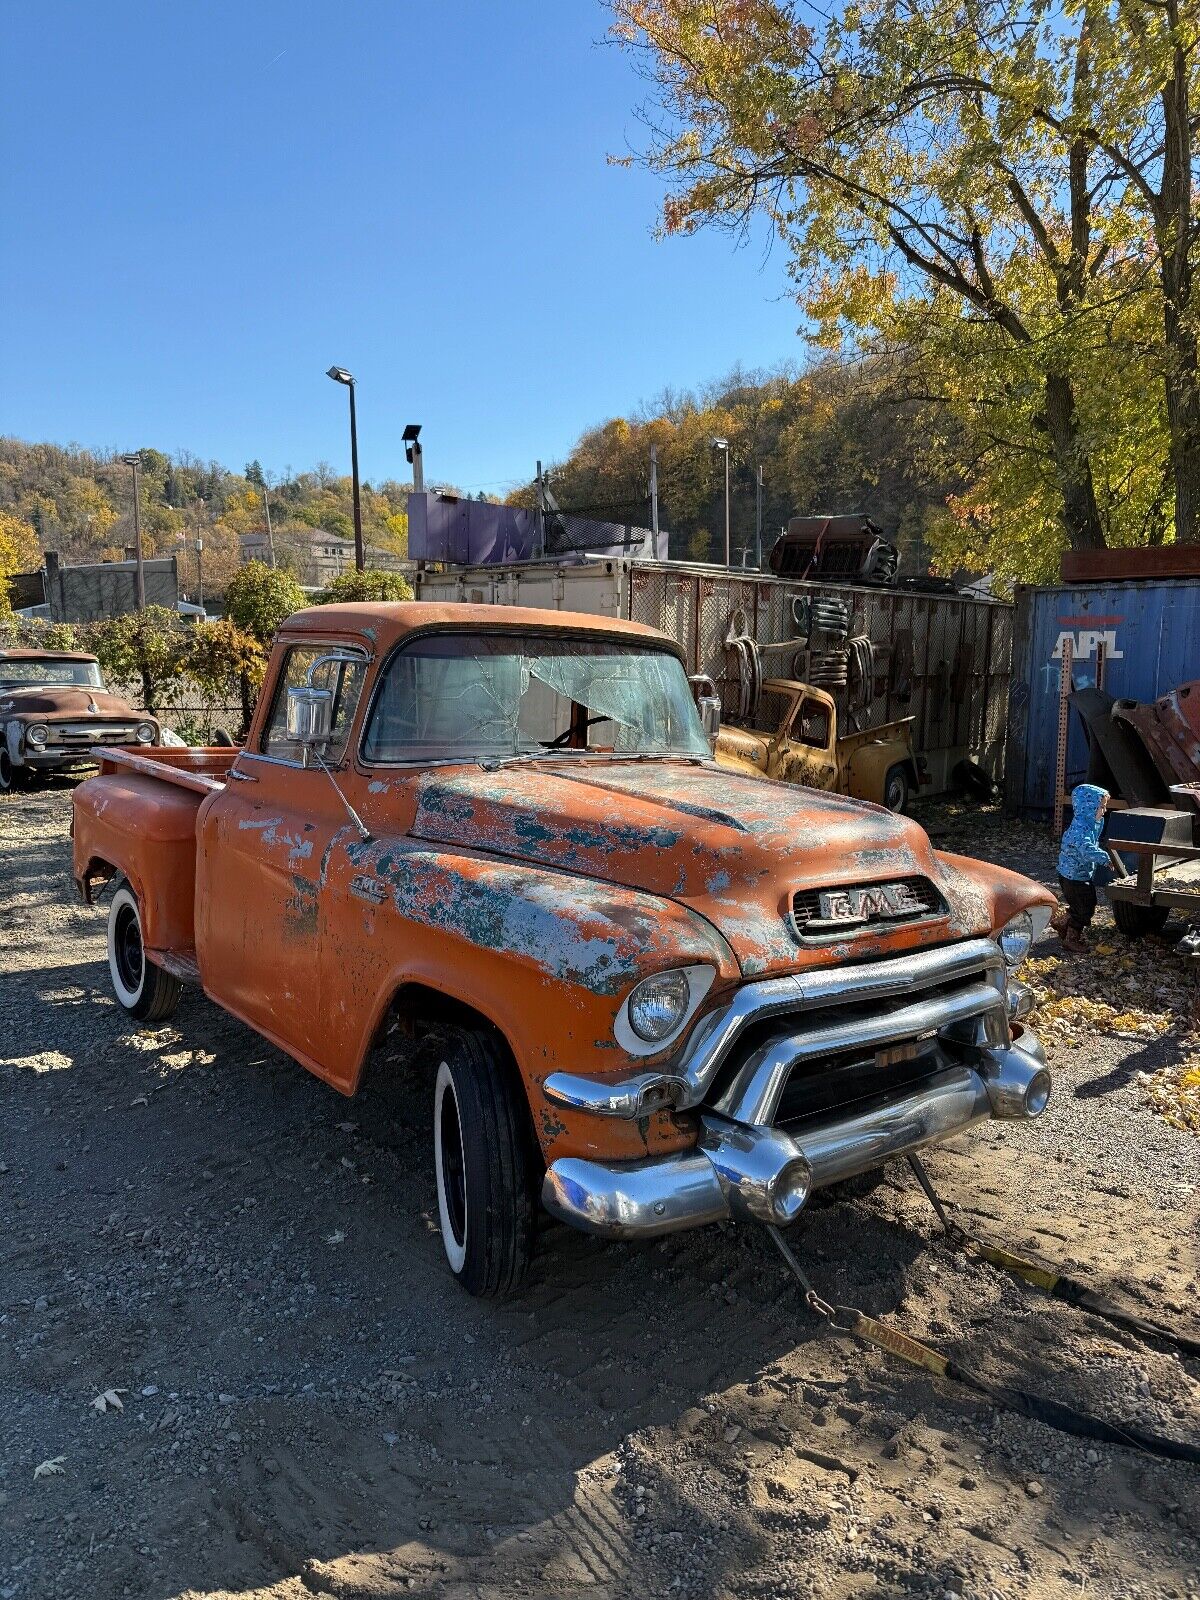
pixel 492 763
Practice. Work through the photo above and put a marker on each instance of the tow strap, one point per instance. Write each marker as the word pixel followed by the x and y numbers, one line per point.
pixel 1059 1285
pixel 1054 1413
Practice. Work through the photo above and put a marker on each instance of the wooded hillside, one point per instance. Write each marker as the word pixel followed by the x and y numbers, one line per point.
pixel 80 503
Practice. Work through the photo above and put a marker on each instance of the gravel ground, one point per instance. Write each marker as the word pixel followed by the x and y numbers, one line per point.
pixel 306 1405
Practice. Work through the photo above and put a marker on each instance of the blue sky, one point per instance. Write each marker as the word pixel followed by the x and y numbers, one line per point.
pixel 204 205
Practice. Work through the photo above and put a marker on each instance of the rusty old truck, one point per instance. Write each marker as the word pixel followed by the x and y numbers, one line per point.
pixel 643 991
pixel 808 747
pixel 54 708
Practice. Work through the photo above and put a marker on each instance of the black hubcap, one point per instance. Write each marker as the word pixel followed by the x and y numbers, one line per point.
pixel 454 1178
pixel 128 948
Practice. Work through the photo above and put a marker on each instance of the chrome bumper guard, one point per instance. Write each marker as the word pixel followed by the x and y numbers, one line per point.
pixel 744 1167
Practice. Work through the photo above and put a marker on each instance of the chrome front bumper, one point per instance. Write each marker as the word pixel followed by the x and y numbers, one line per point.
pixel 746 1167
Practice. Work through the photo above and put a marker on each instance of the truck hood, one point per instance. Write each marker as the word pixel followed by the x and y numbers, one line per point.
pixel 735 849
pixel 45 700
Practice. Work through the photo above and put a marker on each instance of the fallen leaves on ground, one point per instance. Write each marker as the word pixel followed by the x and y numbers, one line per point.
pixel 1142 998
pixel 1175 1093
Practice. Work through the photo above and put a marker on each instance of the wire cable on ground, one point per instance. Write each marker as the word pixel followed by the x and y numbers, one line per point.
pixel 1054 1413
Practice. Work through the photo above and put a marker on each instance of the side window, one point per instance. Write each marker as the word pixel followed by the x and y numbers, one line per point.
pixel 811 724
pixel 345 678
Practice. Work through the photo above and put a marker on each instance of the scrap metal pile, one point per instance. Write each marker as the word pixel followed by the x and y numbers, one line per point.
pixel 1147 755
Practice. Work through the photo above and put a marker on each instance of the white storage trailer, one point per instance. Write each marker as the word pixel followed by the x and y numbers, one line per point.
pixel 942 659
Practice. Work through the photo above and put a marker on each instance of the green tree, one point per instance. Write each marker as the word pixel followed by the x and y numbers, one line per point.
pixel 369 585
pixel 957 181
pixel 258 599
pixel 254 474
pixel 225 663
pixel 146 647
pixel 19 552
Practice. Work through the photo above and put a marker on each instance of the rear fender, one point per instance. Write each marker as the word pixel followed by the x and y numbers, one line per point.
pixel 145 830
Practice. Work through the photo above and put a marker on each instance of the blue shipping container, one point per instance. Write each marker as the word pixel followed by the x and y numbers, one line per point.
pixel 1151 634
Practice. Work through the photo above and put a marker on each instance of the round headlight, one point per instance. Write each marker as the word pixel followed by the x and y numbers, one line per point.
pixel 658 1005
pixel 1015 938
pixel 37 733
pixel 145 733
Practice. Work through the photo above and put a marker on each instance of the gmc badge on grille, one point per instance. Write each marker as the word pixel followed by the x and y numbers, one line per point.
pixel 875 900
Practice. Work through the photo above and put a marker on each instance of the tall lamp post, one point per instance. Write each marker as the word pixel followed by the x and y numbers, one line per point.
pixel 723 446
pixel 340 375
pixel 135 461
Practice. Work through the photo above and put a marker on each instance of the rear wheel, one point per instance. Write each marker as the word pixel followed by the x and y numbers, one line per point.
pixel 483 1161
pixel 896 789
pixel 143 989
pixel 1134 920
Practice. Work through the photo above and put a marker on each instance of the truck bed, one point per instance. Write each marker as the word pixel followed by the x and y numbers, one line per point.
pixel 202 769
pixel 138 818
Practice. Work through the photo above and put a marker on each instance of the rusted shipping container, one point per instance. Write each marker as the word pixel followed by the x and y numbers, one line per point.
pixel 943 659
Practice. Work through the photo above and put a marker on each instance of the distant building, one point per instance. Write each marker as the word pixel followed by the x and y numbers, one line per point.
pixel 99 589
pixel 316 557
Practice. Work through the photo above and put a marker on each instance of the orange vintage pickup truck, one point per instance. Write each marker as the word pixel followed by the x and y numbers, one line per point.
pixel 650 993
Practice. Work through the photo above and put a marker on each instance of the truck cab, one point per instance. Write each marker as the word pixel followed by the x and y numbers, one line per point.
pixel 807 746
pixel 646 993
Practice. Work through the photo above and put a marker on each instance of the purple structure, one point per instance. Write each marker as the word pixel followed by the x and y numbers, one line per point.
pixel 467 533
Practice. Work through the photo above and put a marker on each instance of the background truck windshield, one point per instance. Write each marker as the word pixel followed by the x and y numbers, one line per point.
pixel 494 694
pixel 20 674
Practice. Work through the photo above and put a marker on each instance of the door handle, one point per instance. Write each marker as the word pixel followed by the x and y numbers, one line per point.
pixel 241 777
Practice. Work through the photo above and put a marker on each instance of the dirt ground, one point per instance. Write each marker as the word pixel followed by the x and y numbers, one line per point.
pixel 308 1405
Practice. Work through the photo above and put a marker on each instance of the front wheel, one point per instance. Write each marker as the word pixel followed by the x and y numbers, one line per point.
pixel 896 789
pixel 8 775
pixel 143 989
pixel 482 1148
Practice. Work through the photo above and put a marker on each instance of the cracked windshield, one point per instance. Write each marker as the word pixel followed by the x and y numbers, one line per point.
pixel 512 695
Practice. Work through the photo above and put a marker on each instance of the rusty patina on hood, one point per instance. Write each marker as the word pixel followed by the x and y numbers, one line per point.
pixel 50 701
pixel 733 848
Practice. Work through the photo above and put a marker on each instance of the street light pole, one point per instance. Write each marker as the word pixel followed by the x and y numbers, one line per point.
pixel 723 446
pixel 135 462
pixel 340 375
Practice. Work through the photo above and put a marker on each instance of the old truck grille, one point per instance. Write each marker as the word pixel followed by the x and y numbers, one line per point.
pixel 843 1046
pixel 85 734
pixel 806 909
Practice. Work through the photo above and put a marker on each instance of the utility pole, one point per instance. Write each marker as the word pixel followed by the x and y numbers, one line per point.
pixel 654 501
pixel 135 461
pixel 200 572
pixel 758 518
pixel 270 531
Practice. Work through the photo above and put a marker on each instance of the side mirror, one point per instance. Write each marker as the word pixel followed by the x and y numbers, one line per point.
pixel 309 716
pixel 708 704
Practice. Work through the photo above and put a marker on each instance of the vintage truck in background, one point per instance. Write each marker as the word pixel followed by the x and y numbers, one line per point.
pixel 54 708
pixel 807 746
pixel 652 992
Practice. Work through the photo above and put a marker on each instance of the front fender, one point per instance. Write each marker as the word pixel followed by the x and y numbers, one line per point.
pixel 983 897
pixel 547 955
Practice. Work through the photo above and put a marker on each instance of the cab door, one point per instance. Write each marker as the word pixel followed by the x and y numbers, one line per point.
pixel 261 850
pixel 807 751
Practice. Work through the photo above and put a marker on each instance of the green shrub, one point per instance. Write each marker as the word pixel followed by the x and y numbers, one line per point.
pixel 369 585
pixel 259 598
